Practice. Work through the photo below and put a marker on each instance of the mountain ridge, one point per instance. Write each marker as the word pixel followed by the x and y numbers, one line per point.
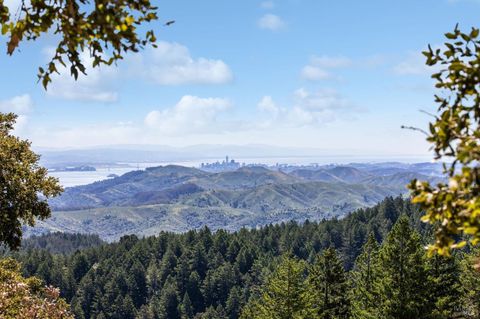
pixel 177 198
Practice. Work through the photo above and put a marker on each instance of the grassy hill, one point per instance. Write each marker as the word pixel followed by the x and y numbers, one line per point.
pixel 176 198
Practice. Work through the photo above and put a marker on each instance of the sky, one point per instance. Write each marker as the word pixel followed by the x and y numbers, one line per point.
pixel 333 75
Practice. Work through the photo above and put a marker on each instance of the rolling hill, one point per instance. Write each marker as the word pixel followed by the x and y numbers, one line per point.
pixel 176 198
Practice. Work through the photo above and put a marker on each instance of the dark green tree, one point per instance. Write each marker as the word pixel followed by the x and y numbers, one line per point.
pixel 234 303
pixel 186 309
pixel 364 294
pixel 470 284
pixel 284 294
pixel 403 277
pixel 168 304
pixel 444 286
pixel 327 284
pixel 80 266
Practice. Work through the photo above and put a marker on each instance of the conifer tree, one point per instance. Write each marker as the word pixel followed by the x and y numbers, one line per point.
pixel 125 308
pixel 167 306
pixel 444 286
pixel 186 310
pixel 363 278
pixel 153 277
pixel 234 303
pixel 403 275
pixel 328 287
pixel 284 294
pixel 470 282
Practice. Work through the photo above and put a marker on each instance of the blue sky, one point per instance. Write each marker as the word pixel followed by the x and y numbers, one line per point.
pixel 336 75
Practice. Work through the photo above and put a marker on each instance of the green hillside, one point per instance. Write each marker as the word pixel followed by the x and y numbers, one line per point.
pixel 176 198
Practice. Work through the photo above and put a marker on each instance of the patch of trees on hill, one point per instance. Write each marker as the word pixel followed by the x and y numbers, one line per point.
pixel 61 243
pixel 355 267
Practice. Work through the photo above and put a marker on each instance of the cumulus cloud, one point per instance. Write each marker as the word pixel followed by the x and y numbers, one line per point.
pixel 315 73
pixel 319 66
pixel 271 22
pixel 194 120
pixel 172 64
pixel 267 104
pixel 317 107
pixel 308 109
pixel 191 114
pixel 94 87
pixel 21 104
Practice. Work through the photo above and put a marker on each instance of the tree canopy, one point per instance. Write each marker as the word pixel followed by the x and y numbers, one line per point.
pixel 24 184
pixel 261 273
pixel 106 29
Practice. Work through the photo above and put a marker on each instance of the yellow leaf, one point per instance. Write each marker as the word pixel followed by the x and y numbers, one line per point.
pixel 471 230
pixel 460 244
pixel 129 20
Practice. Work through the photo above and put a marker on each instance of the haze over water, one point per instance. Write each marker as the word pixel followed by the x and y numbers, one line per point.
pixel 76 178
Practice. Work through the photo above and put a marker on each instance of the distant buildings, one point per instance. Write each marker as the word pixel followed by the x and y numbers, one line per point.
pixel 83 168
pixel 225 165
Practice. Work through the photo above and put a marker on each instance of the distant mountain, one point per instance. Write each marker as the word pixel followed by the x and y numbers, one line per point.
pixel 399 181
pixel 344 174
pixel 177 198
pixel 227 209
pixel 389 168
pixel 162 183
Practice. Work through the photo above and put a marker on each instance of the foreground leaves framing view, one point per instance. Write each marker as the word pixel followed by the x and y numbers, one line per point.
pixel 454 208
pixel 369 265
pixel 107 30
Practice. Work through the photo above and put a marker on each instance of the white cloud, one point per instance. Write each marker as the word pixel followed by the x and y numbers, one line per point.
pixel 190 115
pixel 267 4
pixel 172 64
pixel 308 109
pixel 414 64
pixel 21 104
pixel 271 22
pixel 318 67
pixel 88 135
pixel 93 87
pixel 314 73
pixel 267 104
pixel 196 120
pixel 317 107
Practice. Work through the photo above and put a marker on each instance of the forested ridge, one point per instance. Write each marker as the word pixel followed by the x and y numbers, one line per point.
pixel 205 274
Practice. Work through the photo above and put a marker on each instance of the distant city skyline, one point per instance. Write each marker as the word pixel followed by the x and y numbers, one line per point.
pixel 340 76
